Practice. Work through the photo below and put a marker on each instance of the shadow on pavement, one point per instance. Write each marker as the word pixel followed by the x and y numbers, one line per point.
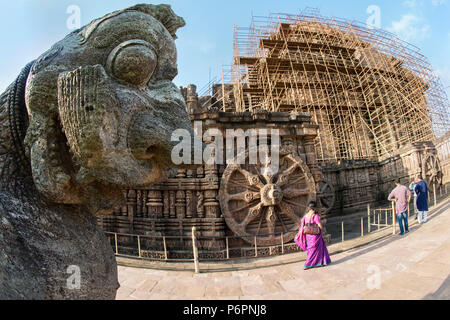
pixel 379 243
pixel 443 293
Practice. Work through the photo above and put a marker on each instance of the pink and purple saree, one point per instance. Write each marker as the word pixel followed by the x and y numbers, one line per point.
pixel 316 250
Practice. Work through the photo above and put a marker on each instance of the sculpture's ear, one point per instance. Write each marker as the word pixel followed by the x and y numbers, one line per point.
pixel 49 158
pixel 164 14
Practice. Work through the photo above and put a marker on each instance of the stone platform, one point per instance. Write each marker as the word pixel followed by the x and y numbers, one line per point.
pixel 415 266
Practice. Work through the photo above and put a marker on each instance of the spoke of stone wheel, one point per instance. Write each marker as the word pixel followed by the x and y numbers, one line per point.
pixel 293 193
pixel 243 196
pixel 257 183
pixel 295 204
pixel 237 184
pixel 284 177
pixel 282 222
pixel 252 203
pixel 289 212
pixel 271 219
pixel 259 225
pixel 297 180
pixel 325 202
pixel 253 213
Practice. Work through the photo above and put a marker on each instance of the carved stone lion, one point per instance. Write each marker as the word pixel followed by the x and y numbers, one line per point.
pixel 90 117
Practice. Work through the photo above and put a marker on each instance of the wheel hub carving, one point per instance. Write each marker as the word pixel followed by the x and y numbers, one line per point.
pixel 271 195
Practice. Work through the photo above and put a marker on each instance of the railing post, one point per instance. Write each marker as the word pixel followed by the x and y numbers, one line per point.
pixel 195 249
pixel 342 228
pixel 362 227
pixel 393 218
pixel 378 220
pixel 409 210
pixel 165 248
pixel 256 248
pixel 228 249
pixel 139 246
pixel 434 191
pixel 368 218
pixel 115 240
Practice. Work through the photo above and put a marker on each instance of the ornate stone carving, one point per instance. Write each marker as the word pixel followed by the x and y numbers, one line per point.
pixel 431 170
pixel 326 195
pixel 87 119
pixel 256 202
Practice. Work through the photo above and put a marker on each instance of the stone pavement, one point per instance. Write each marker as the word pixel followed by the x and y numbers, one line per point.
pixel 415 266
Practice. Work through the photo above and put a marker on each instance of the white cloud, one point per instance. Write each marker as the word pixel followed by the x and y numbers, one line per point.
pixel 411 3
pixel 437 2
pixel 410 27
pixel 443 74
pixel 206 47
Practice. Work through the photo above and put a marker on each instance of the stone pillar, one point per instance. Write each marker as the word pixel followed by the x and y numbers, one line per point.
pixel 189 213
pixel 131 205
pixel 166 202
pixel 124 211
pixel 138 203
pixel 200 203
pixel 155 204
pixel 311 159
pixel 212 206
pixel 180 204
pixel 191 98
pixel 144 203
pixel 172 202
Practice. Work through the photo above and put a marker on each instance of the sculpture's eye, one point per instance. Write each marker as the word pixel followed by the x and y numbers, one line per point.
pixel 133 61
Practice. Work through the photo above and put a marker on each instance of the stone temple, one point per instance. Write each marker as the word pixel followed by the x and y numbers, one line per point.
pixel 356 108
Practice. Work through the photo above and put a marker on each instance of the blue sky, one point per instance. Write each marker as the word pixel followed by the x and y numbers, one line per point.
pixel 30 27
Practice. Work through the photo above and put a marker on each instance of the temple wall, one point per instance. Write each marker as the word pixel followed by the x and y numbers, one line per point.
pixel 443 152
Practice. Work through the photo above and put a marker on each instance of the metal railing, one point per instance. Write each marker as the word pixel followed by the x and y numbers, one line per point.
pixel 175 248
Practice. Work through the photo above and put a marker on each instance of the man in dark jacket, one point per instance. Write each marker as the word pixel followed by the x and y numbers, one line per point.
pixel 421 191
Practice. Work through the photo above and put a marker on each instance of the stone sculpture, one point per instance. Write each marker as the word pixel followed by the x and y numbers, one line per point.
pixel 90 117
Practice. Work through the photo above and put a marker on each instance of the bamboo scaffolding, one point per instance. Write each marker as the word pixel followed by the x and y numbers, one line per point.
pixel 370 92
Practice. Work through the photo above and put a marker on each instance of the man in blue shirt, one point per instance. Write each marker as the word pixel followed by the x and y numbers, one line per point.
pixel 421 190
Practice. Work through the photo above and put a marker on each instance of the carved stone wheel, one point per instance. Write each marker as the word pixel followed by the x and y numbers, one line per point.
pixel 326 195
pixel 431 170
pixel 257 202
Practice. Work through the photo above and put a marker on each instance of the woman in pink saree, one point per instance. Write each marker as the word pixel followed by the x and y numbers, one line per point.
pixel 316 250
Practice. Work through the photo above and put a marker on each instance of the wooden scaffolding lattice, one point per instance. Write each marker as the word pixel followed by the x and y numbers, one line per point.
pixel 370 92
